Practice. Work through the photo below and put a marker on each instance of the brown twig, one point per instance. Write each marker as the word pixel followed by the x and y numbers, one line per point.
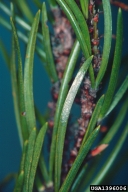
pixel 119 4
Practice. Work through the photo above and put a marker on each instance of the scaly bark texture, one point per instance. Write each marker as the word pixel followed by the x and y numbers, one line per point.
pixel 88 95
pixel 62 42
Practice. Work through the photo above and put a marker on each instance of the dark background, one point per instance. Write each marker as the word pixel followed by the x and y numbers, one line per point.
pixel 10 150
